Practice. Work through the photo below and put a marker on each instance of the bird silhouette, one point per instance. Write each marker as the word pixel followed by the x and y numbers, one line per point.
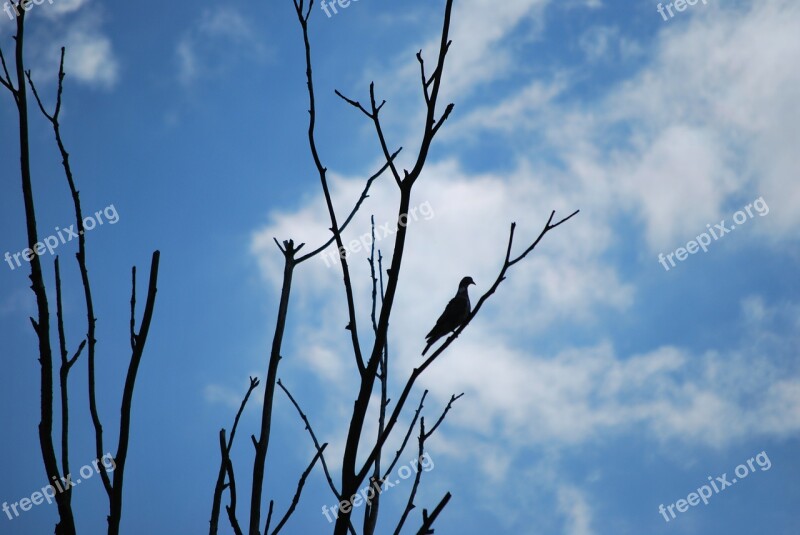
pixel 453 316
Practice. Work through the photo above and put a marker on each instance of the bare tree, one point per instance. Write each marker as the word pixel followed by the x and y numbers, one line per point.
pixel 17 86
pixel 373 364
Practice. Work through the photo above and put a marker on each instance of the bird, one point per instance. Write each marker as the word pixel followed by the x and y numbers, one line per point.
pixel 454 314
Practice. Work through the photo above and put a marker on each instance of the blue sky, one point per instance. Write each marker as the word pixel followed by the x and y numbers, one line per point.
pixel 598 385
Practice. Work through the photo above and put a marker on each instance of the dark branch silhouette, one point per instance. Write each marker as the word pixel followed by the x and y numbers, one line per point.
pixel 225 450
pixel 372 365
pixel 41 325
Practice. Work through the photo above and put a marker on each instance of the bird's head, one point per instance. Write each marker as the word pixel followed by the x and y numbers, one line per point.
pixel 465 282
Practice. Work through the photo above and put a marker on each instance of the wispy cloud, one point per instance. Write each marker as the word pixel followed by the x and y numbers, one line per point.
pixel 205 49
pixel 78 25
pixel 90 56
pixel 672 146
pixel 232 397
pixel 572 503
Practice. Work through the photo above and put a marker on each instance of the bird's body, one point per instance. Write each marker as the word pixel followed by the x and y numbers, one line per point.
pixel 454 314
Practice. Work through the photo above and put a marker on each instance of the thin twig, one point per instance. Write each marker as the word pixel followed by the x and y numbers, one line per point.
pixel 81 259
pixel 299 491
pixel 231 509
pixel 352 324
pixel 361 199
pixel 507 263
pixel 411 426
pixel 225 450
pixel 449 406
pixel 303 416
pixel 63 375
pixel 270 510
pixel 417 478
pixel 351 477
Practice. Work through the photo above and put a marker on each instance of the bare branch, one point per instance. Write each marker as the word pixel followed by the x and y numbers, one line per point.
pixel 140 340
pixel 63 375
pixel 422 76
pixel 428 520
pixel 299 491
pixel 379 131
pixel 548 228
pixel 356 104
pixel 269 516
pixel 418 371
pixel 6 79
pixel 314 439
pixel 402 447
pixel 225 449
pixel 444 413
pixel 351 477
pixel 322 171
pixel 262 444
pixel 231 509
pixel 41 325
pixel 417 478
pixel 361 199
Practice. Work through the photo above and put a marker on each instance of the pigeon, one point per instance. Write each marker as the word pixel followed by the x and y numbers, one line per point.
pixel 453 316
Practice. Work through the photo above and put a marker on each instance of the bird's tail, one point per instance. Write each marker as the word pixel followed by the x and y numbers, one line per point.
pixel 427 347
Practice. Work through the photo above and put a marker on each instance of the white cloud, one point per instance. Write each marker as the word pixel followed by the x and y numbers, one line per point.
pixel 90 57
pixel 57 8
pixel 677 171
pixel 232 397
pixel 524 396
pixel 463 237
pixel 606 43
pixel 676 184
pixel 199 51
pixel 573 504
pixel 479 27
pixel 704 124
pixel 74 24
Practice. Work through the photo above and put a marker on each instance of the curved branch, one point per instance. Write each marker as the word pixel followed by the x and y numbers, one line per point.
pixel 225 450
pixel 508 263
pixel 314 439
pixel 359 202
pixel 352 325
pixel 299 491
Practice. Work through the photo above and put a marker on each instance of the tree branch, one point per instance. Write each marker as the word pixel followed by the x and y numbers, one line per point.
pixel 66 524
pixel 428 520
pixel 352 478
pixel 507 263
pixel 299 491
pixel 140 340
pixel 361 199
pixel 314 439
pixel 225 450
pixel 63 375
pixel 352 325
